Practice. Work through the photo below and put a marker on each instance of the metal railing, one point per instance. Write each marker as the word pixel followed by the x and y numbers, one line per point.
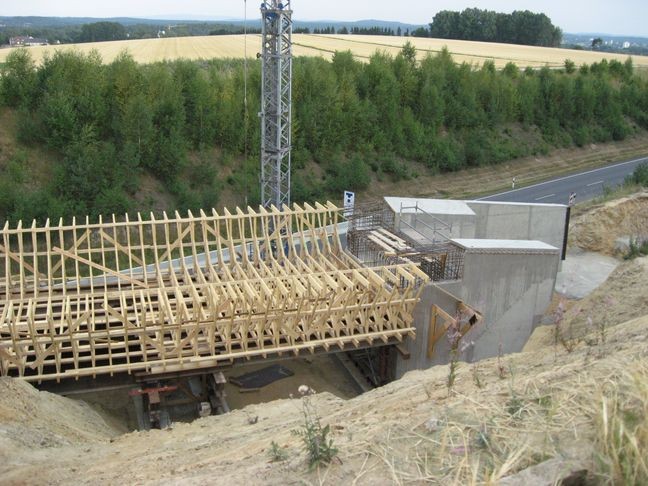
pixel 439 230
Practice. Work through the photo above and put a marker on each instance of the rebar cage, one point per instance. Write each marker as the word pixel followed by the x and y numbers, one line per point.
pixel 374 238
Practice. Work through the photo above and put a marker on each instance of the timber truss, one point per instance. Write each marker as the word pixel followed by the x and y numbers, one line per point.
pixel 175 294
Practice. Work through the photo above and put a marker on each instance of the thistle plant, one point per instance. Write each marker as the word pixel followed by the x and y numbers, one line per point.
pixel 318 445
pixel 457 348
pixel 501 370
pixel 560 333
pixel 475 375
pixel 601 330
pixel 558 317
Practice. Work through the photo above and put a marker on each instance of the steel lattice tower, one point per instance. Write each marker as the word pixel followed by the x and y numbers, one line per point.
pixel 276 93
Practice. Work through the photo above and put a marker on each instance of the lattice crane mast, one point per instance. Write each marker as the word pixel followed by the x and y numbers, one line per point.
pixel 276 110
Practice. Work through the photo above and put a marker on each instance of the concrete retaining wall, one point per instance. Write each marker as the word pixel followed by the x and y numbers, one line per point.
pixel 498 220
pixel 519 221
pixel 511 290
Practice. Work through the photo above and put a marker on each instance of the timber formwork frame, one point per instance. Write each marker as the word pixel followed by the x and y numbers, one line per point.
pixel 164 295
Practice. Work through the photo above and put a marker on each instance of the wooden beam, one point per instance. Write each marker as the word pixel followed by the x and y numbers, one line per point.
pixel 103 268
pixel 264 294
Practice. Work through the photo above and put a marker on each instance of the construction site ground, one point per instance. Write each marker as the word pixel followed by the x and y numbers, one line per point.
pixel 582 272
pixel 540 407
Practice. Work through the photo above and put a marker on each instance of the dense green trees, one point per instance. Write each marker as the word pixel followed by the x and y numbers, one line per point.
pixel 185 123
pixel 519 27
pixel 102 31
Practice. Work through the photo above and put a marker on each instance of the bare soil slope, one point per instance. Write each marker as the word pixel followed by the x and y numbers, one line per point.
pixel 598 228
pixel 500 417
pixel 35 424
pixel 623 296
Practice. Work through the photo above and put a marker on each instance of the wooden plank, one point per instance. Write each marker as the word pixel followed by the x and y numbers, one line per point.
pixel 304 295
pixel 107 270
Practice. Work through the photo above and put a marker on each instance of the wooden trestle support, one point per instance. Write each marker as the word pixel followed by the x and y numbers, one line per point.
pixel 158 295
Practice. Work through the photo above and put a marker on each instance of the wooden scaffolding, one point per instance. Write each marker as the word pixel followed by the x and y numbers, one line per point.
pixel 159 295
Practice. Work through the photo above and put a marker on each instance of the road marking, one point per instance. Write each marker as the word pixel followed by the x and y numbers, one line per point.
pixel 544 197
pixel 594 183
pixel 641 159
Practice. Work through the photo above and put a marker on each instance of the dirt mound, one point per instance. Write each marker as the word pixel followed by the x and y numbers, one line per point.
pixel 598 228
pixel 501 416
pixel 623 296
pixel 33 419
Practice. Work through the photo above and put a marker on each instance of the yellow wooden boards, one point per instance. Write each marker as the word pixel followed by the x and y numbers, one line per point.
pixel 181 293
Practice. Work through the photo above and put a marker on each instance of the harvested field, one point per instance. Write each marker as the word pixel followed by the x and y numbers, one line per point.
pixel 364 46
pixel 233 46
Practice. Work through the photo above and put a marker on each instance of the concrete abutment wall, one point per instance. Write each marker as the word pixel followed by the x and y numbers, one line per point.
pixel 511 284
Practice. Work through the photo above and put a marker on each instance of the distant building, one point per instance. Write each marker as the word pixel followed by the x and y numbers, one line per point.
pixel 25 41
pixel 626 45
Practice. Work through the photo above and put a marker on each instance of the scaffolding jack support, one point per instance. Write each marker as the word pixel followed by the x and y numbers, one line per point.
pixel 158 417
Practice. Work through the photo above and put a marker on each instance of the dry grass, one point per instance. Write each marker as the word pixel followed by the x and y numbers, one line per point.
pixel 233 46
pixel 587 408
pixel 622 428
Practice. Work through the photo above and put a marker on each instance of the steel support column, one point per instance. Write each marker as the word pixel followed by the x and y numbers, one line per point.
pixel 276 17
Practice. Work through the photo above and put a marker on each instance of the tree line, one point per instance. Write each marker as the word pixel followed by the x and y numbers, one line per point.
pixel 109 31
pixel 184 123
pixel 519 27
pixel 354 30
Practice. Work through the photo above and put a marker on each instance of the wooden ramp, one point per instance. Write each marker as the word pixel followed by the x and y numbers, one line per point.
pixel 170 294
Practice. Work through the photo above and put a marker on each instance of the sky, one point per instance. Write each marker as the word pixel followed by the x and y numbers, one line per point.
pixel 622 17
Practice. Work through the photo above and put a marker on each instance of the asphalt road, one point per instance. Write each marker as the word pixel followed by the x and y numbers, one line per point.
pixel 586 185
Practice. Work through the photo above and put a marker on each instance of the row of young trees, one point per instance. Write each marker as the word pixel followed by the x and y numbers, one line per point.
pixel 354 30
pixel 112 123
pixel 519 27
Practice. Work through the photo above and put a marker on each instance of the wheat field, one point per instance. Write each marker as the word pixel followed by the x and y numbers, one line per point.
pixel 234 46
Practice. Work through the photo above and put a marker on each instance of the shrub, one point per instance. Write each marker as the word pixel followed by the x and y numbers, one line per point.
pixel 581 135
pixel 397 170
pixel 446 154
pixel 639 176
pixel 570 66
pixel 277 453
pixel 637 248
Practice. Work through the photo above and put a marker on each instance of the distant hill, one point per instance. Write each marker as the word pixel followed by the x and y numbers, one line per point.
pixel 43 22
